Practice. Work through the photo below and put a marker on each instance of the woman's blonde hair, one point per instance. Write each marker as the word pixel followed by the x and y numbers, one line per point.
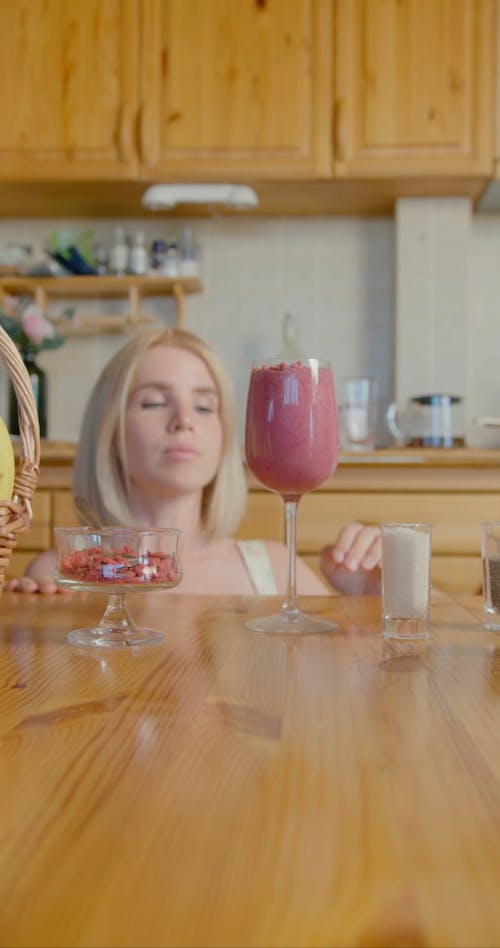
pixel 100 474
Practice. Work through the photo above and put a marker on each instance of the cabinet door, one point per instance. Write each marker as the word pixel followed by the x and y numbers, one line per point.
pixel 236 86
pixel 414 87
pixel 264 518
pixel 68 87
pixel 455 517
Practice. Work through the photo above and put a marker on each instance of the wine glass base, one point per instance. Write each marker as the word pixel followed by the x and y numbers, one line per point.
pixel 115 638
pixel 297 625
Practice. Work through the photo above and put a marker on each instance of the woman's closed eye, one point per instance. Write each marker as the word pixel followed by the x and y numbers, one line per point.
pixel 153 403
pixel 152 397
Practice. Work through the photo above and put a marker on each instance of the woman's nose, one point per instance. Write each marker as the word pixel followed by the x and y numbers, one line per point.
pixel 181 419
pixel 182 423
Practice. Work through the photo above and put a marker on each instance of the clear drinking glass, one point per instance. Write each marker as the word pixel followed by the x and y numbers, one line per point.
pixel 291 447
pixel 490 550
pixel 358 414
pixel 406 579
pixel 117 561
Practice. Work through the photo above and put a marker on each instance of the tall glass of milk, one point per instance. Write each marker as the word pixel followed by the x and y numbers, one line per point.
pixel 406 580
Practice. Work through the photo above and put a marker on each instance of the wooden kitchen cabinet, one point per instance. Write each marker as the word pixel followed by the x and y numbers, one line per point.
pixel 147 89
pixel 236 87
pixel 68 89
pixel 453 489
pixel 414 87
pixel 270 91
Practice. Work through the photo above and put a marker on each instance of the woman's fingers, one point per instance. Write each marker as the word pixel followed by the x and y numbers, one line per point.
pixel 47 586
pixel 356 546
pixel 352 563
pixel 25 584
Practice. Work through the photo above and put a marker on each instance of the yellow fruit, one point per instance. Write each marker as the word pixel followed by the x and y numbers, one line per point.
pixel 7 463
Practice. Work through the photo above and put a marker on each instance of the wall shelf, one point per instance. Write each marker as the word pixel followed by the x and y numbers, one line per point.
pixel 96 287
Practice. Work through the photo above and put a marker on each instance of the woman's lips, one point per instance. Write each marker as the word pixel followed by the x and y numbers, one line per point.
pixel 181 453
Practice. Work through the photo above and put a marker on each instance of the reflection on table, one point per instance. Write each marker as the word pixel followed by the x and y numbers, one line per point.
pixel 231 788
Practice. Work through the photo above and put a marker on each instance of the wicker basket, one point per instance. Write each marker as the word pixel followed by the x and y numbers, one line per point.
pixel 15 515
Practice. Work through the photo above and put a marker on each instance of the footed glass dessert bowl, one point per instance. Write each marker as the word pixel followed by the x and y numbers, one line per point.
pixel 117 561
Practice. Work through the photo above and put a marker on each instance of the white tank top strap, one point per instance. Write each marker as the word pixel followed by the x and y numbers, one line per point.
pixel 259 567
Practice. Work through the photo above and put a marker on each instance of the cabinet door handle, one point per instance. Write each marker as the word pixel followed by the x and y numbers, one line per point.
pixel 145 149
pixel 339 129
pixel 124 142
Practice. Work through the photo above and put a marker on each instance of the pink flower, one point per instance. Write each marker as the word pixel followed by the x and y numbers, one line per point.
pixel 36 327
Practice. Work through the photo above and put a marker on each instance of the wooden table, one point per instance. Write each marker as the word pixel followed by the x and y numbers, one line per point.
pixel 230 788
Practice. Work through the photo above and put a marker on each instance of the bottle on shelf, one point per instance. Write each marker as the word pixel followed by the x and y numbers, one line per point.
pixel 139 262
pixel 158 257
pixel 171 268
pixel 189 262
pixel 101 257
pixel 119 253
pixel 290 337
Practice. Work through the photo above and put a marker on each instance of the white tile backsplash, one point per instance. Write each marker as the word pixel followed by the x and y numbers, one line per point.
pixel 335 274
pixel 432 297
pixel 413 301
pixel 426 284
pixel 448 307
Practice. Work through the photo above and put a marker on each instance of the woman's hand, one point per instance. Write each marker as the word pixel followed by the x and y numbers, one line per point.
pixel 353 563
pixel 26 584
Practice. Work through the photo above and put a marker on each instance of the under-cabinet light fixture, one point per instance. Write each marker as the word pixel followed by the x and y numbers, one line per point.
pixel 160 197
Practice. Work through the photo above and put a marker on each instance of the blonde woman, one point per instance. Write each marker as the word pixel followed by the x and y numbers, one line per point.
pixel 159 447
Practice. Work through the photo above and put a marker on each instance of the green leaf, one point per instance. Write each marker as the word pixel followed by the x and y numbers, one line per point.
pixel 53 343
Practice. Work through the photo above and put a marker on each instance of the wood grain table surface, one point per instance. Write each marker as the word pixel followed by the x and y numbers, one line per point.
pixel 229 789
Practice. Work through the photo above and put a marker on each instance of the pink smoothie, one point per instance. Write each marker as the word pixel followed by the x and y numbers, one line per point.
pixel 291 427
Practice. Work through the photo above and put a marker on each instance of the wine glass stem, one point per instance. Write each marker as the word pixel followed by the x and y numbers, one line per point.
pixel 117 615
pixel 290 607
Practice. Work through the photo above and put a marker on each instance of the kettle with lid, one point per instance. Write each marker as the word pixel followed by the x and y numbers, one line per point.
pixel 427 421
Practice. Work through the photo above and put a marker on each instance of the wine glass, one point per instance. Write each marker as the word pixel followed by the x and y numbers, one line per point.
pixel 116 560
pixel 291 447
